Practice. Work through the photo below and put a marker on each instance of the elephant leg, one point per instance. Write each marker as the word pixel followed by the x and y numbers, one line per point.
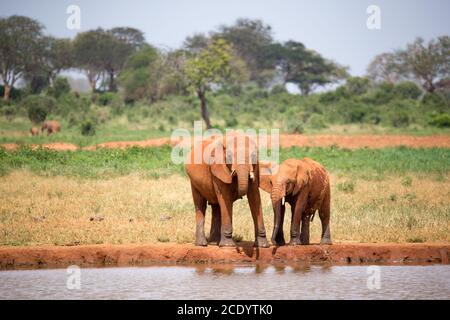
pixel 226 217
pixel 297 208
pixel 214 234
pixel 324 214
pixel 200 209
pixel 304 235
pixel 254 201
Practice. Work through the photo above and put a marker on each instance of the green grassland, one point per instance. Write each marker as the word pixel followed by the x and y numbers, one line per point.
pixel 155 162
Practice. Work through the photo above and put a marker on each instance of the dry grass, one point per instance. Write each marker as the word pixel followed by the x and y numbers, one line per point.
pixel 58 210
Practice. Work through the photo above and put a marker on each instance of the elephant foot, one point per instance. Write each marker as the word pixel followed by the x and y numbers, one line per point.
pixel 295 242
pixel 278 240
pixel 261 242
pixel 201 241
pixel 214 239
pixel 226 242
pixel 326 241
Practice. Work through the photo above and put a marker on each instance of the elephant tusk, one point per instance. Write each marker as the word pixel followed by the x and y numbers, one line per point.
pixel 252 176
pixel 282 201
pixel 233 172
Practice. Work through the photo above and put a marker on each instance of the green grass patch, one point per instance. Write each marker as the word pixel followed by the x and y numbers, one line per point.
pixel 155 162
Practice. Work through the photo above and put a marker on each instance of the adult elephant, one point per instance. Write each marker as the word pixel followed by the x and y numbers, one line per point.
pixel 305 185
pixel 51 126
pixel 221 171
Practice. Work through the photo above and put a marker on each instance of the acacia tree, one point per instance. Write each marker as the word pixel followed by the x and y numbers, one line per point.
pixel 90 51
pixel 19 39
pixel 426 63
pixel 99 52
pixel 124 41
pixel 303 67
pixel 53 56
pixel 250 38
pixel 216 64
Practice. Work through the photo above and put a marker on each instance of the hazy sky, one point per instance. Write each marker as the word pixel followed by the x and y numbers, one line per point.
pixel 336 29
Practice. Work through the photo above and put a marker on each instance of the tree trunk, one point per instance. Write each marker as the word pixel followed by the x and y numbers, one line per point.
pixel 7 90
pixel 112 83
pixel 204 108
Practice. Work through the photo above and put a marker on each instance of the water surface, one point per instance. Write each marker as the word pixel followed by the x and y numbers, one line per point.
pixel 228 282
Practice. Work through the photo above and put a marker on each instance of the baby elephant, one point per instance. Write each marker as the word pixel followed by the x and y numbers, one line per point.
pixel 305 185
pixel 34 131
pixel 51 127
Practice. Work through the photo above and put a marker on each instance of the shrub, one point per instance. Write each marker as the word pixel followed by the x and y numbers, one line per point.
pixel 399 118
pixel 436 101
pixel 407 90
pixel 316 121
pixel 231 121
pixel 441 120
pixel 278 89
pixel 88 128
pixel 357 86
pixel 9 112
pixel 37 113
pixel 294 126
pixel 105 98
pixel 45 102
pixel 60 87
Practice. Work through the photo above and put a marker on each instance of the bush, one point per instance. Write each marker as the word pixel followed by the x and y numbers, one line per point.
pixel 231 121
pixel 38 107
pixel 436 101
pixel 278 89
pixel 294 126
pixel 37 113
pixel 399 118
pixel 105 98
pixel 48 103
pixel 407 90
pixel 316 121
pixel 71 102
pixel 441 120
pixel 9 112
pixel 60 87
pixel 88 128
pixel 357 86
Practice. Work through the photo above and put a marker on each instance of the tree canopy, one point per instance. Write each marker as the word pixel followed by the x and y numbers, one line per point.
pixel 20 43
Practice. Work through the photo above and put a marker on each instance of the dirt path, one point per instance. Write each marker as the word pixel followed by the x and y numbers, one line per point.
pixel 157 254
pixel 350 142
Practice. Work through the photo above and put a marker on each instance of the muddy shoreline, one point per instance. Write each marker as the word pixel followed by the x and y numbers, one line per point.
pixel 44 257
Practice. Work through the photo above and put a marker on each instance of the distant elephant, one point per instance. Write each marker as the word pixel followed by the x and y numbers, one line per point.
pixel 305 185
pixel 34 131
pixel 51 126
pixel 219 178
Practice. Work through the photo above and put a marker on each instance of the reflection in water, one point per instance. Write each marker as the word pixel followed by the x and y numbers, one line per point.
pixel 260 281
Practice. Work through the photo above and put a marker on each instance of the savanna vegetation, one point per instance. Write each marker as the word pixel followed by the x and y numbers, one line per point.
pixel 233 77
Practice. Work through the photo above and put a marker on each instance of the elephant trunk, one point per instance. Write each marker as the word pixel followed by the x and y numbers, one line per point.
pixel 277 196
pixel 242 180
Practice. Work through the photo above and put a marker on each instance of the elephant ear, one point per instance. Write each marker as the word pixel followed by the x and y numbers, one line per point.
pixel 303 177
pixel 265 174
pixel 218 165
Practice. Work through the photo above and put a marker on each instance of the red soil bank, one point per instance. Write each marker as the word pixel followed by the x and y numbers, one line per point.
pixel 350 142
pixel 157 254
